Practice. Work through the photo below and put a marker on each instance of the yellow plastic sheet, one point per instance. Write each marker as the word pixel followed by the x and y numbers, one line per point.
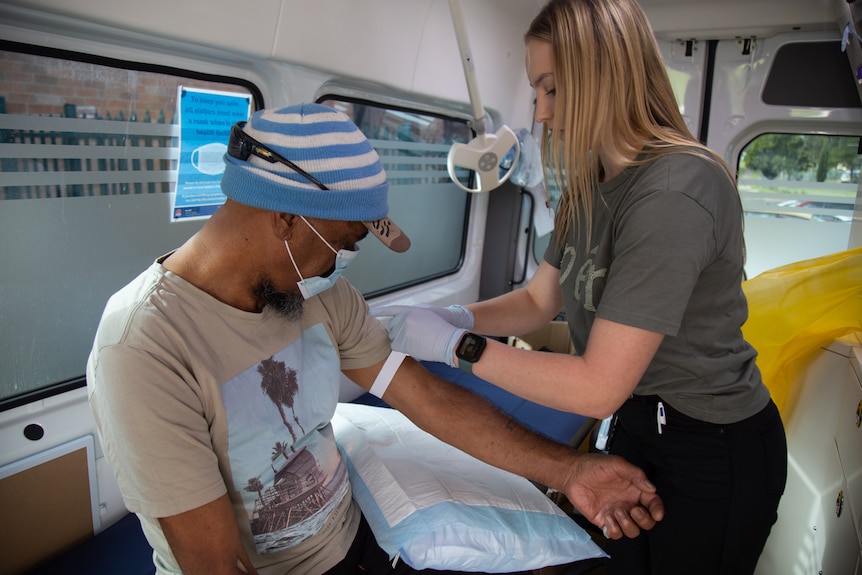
pixel 798 308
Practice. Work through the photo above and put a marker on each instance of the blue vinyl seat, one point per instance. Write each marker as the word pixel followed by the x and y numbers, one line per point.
pixel 561 426
pixel 119 549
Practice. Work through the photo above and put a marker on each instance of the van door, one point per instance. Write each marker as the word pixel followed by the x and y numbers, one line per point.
pixel 785 113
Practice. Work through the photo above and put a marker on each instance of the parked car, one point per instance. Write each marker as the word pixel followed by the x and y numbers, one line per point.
pixel 808 205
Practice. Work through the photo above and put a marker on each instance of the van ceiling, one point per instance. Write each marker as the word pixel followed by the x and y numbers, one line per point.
pixel 406 44
pixel 271 26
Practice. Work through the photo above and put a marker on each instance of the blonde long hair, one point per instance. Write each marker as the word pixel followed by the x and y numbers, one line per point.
pixel 613 95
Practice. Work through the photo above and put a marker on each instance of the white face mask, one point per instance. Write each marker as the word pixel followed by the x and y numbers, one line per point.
pixel 310 287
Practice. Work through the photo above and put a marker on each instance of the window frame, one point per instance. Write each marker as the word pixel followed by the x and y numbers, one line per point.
pixel 416 242
pixel 63 385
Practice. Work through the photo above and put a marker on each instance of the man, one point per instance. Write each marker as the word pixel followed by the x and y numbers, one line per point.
pixel 214 374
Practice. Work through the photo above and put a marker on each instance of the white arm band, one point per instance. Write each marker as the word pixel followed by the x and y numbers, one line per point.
pixel 387 372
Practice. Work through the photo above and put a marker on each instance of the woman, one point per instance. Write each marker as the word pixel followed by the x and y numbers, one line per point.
pixel 647 259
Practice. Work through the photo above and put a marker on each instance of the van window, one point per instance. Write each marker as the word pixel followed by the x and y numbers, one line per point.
pixel 798 195
pixel 433 211
pixel 88 154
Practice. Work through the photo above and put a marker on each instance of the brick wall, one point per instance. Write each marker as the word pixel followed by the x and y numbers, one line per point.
pixel 43 86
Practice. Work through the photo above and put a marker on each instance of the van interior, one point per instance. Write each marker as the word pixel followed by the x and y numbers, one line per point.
pixel 93 97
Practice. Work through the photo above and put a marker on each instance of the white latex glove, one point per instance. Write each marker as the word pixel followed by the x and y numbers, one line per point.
pixel 420 332
pixel 457 315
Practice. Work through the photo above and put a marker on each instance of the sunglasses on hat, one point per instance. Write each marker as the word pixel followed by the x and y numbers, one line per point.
pixel 241 146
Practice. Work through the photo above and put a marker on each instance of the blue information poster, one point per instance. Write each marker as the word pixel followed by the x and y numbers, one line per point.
pixel 205 119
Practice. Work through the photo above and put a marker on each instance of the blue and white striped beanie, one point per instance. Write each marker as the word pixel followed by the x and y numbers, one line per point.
pixel 326 144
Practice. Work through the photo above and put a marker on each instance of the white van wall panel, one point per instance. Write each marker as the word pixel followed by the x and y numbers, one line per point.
pixel 687 78
pixel 808 536
pixel 495 32
pixel 408 45
pixel 373 39
pixel 63 418
pixel 231 25
pixel 412 46
pixel 707 19
pixel 848 437
pixel 840 545
pixel 738 113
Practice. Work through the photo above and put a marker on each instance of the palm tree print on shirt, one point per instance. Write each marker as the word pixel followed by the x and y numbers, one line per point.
pixel 254 485
pixel 280 385
pixel 280 448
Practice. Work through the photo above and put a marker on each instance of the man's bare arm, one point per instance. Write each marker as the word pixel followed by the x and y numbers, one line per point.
pixel 206 540
pixel 610 492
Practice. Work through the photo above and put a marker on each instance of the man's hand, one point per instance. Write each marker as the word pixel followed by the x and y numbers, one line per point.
pixel 614 495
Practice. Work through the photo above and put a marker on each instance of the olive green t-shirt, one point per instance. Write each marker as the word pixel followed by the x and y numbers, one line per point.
pixel 666 255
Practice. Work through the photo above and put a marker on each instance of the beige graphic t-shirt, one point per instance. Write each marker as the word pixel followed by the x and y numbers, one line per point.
pixel 194 398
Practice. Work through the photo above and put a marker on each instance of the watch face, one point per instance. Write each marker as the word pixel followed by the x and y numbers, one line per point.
pixel 471 347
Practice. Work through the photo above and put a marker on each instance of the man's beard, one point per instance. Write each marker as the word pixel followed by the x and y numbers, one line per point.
pixel 288 305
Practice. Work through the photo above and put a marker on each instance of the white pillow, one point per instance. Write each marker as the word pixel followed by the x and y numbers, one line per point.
pixel 438 508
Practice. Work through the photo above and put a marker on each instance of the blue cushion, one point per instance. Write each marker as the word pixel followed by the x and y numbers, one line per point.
pixel 121 548
pixel 561 426
pixel 553 423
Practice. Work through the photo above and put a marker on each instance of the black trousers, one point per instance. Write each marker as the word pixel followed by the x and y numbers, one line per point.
pixel 720 484
pixel 366 557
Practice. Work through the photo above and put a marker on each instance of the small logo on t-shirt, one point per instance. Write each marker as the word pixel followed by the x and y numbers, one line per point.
pixel 585 278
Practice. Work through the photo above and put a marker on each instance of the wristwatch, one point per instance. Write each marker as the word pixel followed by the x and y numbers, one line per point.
pixel 469 351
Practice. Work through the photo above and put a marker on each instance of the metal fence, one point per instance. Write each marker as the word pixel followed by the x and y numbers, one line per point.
pixel 73 155
pixel 89 154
